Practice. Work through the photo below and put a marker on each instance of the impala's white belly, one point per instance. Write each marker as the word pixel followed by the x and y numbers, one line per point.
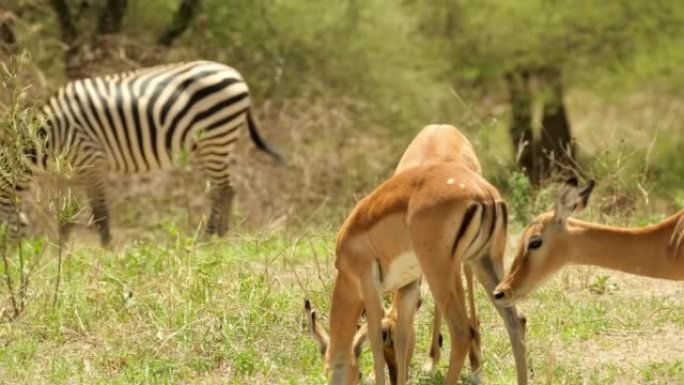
pixel 403 270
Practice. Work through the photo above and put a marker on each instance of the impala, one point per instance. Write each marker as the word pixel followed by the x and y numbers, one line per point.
pixel 434 143
pixel 554 240
pixel 430 219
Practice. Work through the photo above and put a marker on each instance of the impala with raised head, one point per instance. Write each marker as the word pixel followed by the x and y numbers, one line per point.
pixel 554 240
pixel 429 220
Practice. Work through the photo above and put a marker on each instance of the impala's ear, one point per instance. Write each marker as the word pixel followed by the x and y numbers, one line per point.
pixel 572 199
pixel 317 332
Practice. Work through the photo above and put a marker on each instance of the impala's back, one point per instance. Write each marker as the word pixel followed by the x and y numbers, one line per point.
pixel 439 143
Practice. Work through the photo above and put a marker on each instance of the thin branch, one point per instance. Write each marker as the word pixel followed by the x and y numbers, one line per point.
pixel 111 17
pixel 69 34
pixel 8 39
pixel 8 276
pixel 66 24
pixel 181 21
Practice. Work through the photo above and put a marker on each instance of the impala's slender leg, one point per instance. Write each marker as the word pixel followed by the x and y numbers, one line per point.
pixel 447 289
pixel 475 353
pixel 404 339
pixel 451 301
pixel 433 243
pixel 374 313
pixel 489 273
pixel 436 345
pixel 345 311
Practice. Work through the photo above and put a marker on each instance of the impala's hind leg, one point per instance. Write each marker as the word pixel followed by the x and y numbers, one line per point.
pixel 475 353
pixel 451 302
pixel 447 289
pixel 433 244
pixel 436 344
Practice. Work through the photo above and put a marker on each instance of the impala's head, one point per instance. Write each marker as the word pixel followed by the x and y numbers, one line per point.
pixel 353 373
pixel 544 244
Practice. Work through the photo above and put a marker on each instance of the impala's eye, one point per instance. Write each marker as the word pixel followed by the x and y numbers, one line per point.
pixel 535 243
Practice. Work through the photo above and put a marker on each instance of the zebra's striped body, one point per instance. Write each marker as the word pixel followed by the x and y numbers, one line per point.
pixel 149 120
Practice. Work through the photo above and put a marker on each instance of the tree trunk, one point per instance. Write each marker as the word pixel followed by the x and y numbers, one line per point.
pixel 522 138
pixel 180 23
pixel 8 40
pixel 111 18
pixel 353 15
pixel 69 35
pixel 451 22
pixel 557 147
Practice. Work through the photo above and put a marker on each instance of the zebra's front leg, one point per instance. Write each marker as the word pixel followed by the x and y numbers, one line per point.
pixel 98 204
pixel 221 204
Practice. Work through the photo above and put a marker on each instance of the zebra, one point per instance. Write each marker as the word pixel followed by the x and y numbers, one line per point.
pixel 146 120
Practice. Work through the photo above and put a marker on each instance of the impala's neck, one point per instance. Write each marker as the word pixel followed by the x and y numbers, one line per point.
pixel 635 251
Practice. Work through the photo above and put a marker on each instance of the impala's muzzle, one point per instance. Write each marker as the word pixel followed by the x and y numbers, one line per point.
pixel 503 296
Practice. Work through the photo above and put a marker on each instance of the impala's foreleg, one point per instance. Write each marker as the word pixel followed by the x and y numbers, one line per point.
pixel 488 273
pixel 374 313
pixel 406 302
pixel 475 353
pixel 345 310
pixel 436 345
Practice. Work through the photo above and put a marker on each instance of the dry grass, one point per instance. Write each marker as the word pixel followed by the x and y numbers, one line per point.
pixel 164 307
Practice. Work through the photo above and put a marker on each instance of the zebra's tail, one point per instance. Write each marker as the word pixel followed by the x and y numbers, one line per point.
pixel 260 142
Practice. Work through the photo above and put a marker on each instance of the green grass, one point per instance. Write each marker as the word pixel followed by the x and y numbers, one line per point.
pixel 175 310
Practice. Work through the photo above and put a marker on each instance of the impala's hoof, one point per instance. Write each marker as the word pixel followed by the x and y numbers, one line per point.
pixel 429 367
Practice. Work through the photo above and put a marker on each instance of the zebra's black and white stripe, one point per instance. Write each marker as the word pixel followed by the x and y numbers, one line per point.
pixel 147 120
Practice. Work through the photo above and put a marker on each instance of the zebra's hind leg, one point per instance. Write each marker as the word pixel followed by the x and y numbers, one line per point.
pixel 98 203
pixel 221 196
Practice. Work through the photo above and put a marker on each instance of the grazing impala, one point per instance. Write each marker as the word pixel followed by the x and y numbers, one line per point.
pixel 435 143
pixel 429 219
pixel 554 240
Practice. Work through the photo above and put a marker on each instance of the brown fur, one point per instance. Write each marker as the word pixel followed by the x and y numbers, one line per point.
pixel 402 212
pixel 377 225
